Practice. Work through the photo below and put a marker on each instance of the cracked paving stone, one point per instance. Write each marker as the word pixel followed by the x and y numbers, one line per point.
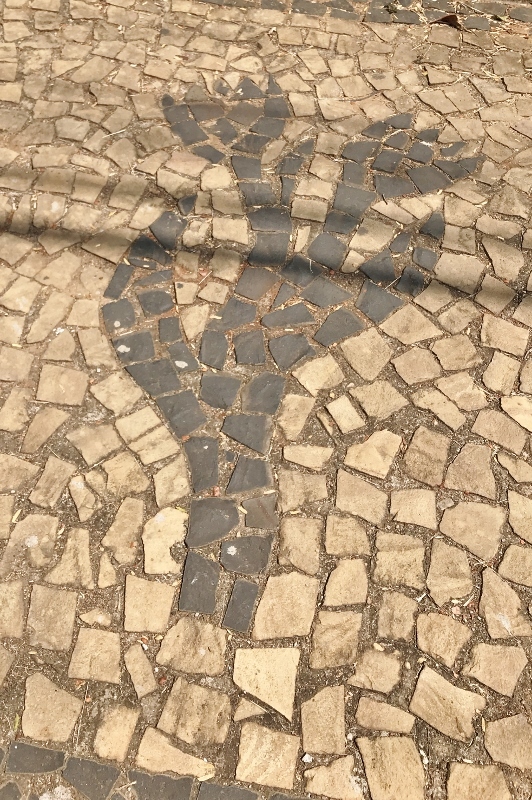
pixel 91 778
pixel 199 584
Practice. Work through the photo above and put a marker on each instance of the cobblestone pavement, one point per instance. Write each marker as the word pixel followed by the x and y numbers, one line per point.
pixel 265 400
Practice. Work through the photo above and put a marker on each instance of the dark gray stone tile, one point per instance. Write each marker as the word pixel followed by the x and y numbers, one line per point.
pixel 250 474
pixel 246 168
pixel 400 121
pixel 244 113
pixel 249 347
pixel 360 151
pixel 248 555
pixel 251 430
pixel 411 282
pixel 428 135
pixel 168 228
pixel 261 512
pixel 291 165
pixel 328 250
pixel 323 293
pixel 169 330
pixel 393 186
pixel 219 390
pixel 353 201
pixel 189 132
pixel 398 140
pixel 205 111
pixel 211 519
pixel 213 349
pixel 257 194
pixel 28 758
pixel 434 226
pixel 405 17
pixel 214 791
pixel 452 150
pixel 10 791
pixel 338 222
pixel 276 107
pixel 301 270
pixel 182 412
pixel 186 204
pixel 223 129
pixel 248 90
pixel 202 455
pixel 420 152
pixel 269 127
pixel 471 164
pixel 118 282
pixel 120 314
pixel 252 143
pixel 305 148
pixel 339 325
pixel 238 617
pixel 354 173
pixel 297 314
pixel 425 258
pixel 263 394
pixel 255 282
pixel 287 187
pixel 387 160
pixel 176 113
pixel 198 585
pixel 377 303
pixel 160 787
pixel 377 129
pixel 270 250
pixel 452 168
pixel 209 152
pixel 428 179
pixel 401 242
pixel 91 778
pixel 285 293
pixel 234 314
pixel 154 278
pixel 144 251
pixel 155 377
pixel 270 219
pixel 184 360
pixel 134 347
pixel 156 302
pixel 287 350
pixel 380 268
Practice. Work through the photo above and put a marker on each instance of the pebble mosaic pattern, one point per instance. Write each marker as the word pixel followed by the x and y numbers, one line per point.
pixel 265 400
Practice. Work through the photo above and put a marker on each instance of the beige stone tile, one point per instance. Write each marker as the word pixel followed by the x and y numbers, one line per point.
pixel 345 536
pixel 299 543
pixel 62 385
pixel 358 497
pixel 449 575
pixel 194 646
pixel 196 715
pixel 323 722
pixel 156 754
pixel 291 591
pixel 266 757
pixel 393 768
pixel 147 605
pixel 50 713
pixel 122 538
pixel 269 674
pixel 377 670
pixel 96 656
pixel 140 671
pixel 335 639
pixel 337 780
pixel 444 706
pixel 114 733
pixel 347 584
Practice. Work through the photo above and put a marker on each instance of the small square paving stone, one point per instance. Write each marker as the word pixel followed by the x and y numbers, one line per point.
pixel 156 302
pixel 15 364
pixel 213 791
pixel 248 555
pixel 263 393
pixel 182 411
pixel 213 349
pixel 250 474
pixel 395 186
pixel 169 330
pixel 425 258
pixel 287 350
pixel 338 222
pixel 202 455
pixel 261 513
pixel 32 760
pixel 210 519
pixel 239 610
pixel 255 282
pixel 119 281
pixel 10 791
pixel 288 317
pixel 62 385
pixel 354 174
pixel 219 391
pixel 96 656
pixel 155 377
pixel 360 151
pixel 167 229
pixel 253 431
pixel 387 160
pixel 160 787
pixel 251 143
pixel 270 250
pixel 90 778
pixel 328 250
pixel 249 347
pixel 51 617
pixel 339 325
pixel 120 314
pixel 234 314
pixel 182 357
pixel 134 347
pixel 199 584
pixel 376 303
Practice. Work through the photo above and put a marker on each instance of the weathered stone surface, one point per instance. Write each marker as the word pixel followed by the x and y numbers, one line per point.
pixel 193 646
pixel 444 706
pixel 269 674
pixel 299 543
pixel 195 714
pixel 358 497
pixel 335 639
pixel 50 713
pixel 476 782
pixel 476 526
pixel 502 609
pixel 449 575
pixel 380 716
pixel 376 670
pixel 509 741
pixel 323 721
pixel 123 536
pixel 393 768
pixel 156 754
pixel 96 656
pixel 115 732
pixel 337 780
pixel 147 605
pixel 442 637
pixel 496 666
pixel 266 757
pixel 286 607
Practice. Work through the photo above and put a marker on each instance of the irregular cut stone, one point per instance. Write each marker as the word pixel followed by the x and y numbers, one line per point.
pixel 446 707
pixel 299 543
pixel 442 637
pixel 379 399
pixel 358 497
pixel 123 536
pixel 471 471
pixel 380 716
pixel 374 456
pixel 32 539
pixel 393 768
pixel 502 609
pixel 166 529
pixel 376 670
pixel 319 374
pixel 496 666
pixel 269 674
pixel 409 326
pixel 345 536
pixel 296 489
pixel 426 456
pixel 509 741
pixel 12 616
pixel 498 428
pixel 399 560
pixel 337 780
pixel 309 456
pixel 96 656
pixel 293 414
pixel 140 671
pixel 156 754
pixel 51 617
pixel 368 353
pixel 476 526
pixel 147 605
pixel 323 721
pixel 520 515
pixel 396 616
pixel 287 607
pixel 50 713
pixel 476 782
pixel 347 584
pixel 114 734
pixel 414 507
pixel 516 565
pixel 335 639
pixel 266 757
pixel 196 714
pixel 449 575
pixel 193 646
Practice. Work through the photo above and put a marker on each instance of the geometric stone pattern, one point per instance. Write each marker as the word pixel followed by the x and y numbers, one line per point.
pixel 265 400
